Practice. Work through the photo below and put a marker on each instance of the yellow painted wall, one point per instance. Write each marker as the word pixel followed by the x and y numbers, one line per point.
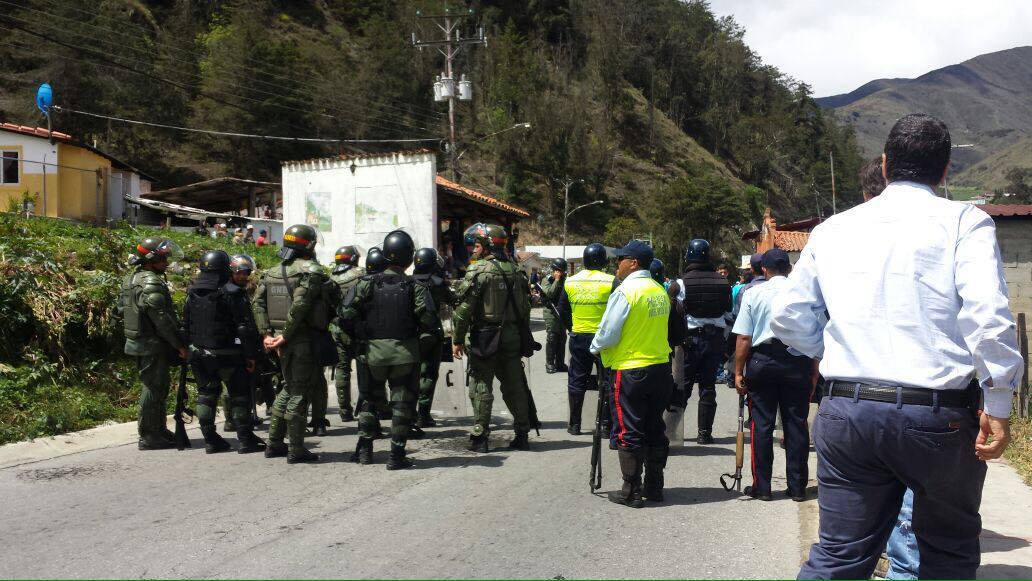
pixel 78 198
pixel 32 182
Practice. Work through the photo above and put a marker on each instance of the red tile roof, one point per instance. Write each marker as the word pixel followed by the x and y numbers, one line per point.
pixel 484 198
pixel 1006 210
pixel 35 131
pixel 790 241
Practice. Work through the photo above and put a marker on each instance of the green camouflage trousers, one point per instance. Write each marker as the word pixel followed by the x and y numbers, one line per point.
pixel 507 367
pixel 342 372
pixel 155 377
pixel 429 371
pixel 301 377
pixel 403 381
pixel 211 374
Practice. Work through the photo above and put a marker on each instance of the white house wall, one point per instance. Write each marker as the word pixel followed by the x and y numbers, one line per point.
pixel 35 152
pixel 384 193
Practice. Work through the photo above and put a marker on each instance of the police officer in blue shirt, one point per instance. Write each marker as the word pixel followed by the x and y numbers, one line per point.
pixel 774 377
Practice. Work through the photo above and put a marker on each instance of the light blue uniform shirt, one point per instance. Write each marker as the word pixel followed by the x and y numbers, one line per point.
pixel 754 316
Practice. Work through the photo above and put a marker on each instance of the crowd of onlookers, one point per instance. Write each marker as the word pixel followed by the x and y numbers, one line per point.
pixel 240 235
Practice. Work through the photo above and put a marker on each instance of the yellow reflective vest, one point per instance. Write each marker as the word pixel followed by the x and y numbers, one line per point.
pixel 643 337
pixel 588 292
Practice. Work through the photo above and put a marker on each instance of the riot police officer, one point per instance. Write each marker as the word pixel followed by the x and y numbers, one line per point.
pixel 704 297
pixel 581 305
pixel 375 261
pixel 555 333
pixel 346 273
pixel 492 304
pixel 241 266
pixel 428 270
pixel 393 311
pixel 223 340
pixel 151 335
pixel 291 302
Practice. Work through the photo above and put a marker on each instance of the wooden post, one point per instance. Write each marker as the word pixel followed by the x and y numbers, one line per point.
pixel 250 201
pixel 1023 395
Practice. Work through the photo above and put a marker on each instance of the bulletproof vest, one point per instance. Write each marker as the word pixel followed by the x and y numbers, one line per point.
pixel 211 323
pixel 279 295
pixel 494 296
pixel 130 307
pixel 389 314
pixel 707 294
pixel 349 277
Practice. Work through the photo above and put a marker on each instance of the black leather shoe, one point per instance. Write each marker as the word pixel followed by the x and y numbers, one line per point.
pixel 273 450
pixel 796 497
pixel 757 495
pixel 155 444
pixel 573 429
pixel 704 438
pixel 303 457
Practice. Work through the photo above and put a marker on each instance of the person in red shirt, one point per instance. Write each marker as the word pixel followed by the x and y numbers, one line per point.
pixel 262 239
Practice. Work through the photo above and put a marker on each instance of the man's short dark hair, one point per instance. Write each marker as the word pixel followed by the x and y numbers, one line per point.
pixel 872 182
pixel 917 150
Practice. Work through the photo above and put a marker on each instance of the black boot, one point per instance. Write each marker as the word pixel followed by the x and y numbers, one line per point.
pixel 397 461
pixel 154 443
pixel 707 411
pixel 275 448
pixel 576 406
pixel 346 415
pixel 478 443
pixel 167 434
pixel 425 420
pixel 363 451
pixel 319 429
pixel 549 357
pixel 561 367
pixel 229 426
pixel 301 457
pixel 416 433
pixel 521 441
pixel 630 466
pixel 213 442
pixel 655 462
pixel 249 443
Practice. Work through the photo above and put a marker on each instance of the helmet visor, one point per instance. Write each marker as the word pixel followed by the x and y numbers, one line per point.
pixel 168 250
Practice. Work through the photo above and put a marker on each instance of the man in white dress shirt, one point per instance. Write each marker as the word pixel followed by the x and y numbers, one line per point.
pixel 919 327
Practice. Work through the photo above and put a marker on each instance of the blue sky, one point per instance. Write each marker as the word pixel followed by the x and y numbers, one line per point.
pixel 838 45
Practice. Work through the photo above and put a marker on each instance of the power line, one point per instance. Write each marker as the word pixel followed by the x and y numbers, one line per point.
pixel 408 109
pixel 60 109
pixel 398 125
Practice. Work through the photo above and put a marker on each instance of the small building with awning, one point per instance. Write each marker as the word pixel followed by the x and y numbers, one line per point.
pixel 358 198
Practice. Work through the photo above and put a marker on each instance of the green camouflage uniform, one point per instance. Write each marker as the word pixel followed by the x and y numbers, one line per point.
pixel 430 345
pixel 302 376
pixel 483 300
pixel 555 333
pixel 152 336
pixel 393 361
pixel 344 343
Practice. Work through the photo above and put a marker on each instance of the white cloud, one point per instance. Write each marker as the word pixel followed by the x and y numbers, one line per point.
pixel 836 46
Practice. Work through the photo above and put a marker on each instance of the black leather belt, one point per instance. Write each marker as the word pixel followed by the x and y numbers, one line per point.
pixel 947 398
pixel 774 348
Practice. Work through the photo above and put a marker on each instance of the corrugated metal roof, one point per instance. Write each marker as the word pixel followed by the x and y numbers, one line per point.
pixel 484 198
pixel 1006 210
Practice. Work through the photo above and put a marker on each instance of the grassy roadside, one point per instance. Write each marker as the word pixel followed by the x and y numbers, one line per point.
pixel 61 362
pixel 1019 452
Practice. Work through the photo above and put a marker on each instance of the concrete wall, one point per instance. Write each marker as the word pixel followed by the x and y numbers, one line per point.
pixel 358 201
pixel 32 153
pixel 1015 238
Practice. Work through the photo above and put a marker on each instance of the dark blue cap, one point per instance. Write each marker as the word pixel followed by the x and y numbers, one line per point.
pixel 776 259
pixel 756 261
pixel 637 250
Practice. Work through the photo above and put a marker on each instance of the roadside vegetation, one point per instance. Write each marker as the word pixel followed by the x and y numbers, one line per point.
pixel 61 362
pixel 1019 453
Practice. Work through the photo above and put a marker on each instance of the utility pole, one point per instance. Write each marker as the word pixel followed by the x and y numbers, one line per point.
pixel 831 155
pixel 445 88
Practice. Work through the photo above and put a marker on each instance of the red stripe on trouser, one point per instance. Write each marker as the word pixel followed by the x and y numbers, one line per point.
pixel 619 409
pixel 752 441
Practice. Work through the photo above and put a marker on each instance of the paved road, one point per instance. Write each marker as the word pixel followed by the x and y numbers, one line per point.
pixel 117 512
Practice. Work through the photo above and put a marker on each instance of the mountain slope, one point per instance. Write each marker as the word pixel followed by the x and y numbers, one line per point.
pixel 986 101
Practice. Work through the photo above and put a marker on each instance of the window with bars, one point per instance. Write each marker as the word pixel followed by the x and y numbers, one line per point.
pixel 9 168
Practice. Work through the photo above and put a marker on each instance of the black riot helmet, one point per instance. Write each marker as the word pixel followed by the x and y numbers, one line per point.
pixel 595 256
pixel 215 261
pixel 658 270
pixel 375 261
pixel 425 261
pixel 241 262
pixel 560 265
pixel 398 247
pixel 492 237
pixel 698 251
pixel 347 255
pixel 298 240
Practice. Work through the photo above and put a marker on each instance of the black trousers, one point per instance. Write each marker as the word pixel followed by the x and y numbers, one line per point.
pixel 868 454
pixel 778 382
pixel 638 399
pixel 582 362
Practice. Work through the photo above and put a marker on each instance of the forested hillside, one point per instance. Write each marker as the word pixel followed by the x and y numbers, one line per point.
pixel 658 106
